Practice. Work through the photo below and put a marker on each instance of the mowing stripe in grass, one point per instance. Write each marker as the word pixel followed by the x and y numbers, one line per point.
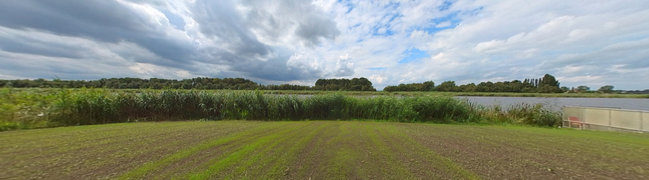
pixel 444 162
pixel 291 142
pixel 246 150
pixel 309 159
pixel 143 170
pixel 408 149
pixel 289 155
pixel 105 143
pixel 339 165
pixel 256 155
pixel 210 158
pixel 397 169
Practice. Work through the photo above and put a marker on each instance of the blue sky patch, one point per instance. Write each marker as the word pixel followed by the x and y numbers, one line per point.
pixel 446 5
pixel 449 21
pixel 376 68
pixel 175 20
pixel 413 55
pixel 350 6
pixel 382 31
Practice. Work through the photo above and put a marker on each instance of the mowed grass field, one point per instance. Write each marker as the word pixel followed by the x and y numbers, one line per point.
pixel 319 150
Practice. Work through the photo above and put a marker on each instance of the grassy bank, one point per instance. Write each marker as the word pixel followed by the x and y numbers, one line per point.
pixel 65 107
pixel 319 150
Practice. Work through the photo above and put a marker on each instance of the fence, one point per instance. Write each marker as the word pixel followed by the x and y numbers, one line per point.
pixel 606 119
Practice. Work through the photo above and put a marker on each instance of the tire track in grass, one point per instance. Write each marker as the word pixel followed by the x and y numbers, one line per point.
pixel 352 154
pixel 394 169
pixel 310 159
pixel 246 150
pixel 208 156
pixel 444 164
pixel 290 154
pixel 341 165
pixel 146 168
pixel 89 136
pixel 276 155
pixel 97 159
pixel 244 164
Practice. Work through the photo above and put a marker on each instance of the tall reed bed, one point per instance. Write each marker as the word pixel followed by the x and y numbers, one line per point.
pixel 33 108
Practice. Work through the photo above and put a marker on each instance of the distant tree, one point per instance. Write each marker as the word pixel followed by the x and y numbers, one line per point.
pixel 565 89
pixel 548 84
pixel 606 89
pixel 581 89
pixel 549 80
pixel 426 86
pixel 485 87
pixel 355 84
pixel 471 87
pixel 448 86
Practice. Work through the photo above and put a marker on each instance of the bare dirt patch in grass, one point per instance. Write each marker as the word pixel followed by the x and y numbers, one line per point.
pixel 496 152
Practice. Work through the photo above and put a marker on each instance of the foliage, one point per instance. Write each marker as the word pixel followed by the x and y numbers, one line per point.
pixel 355 84
pixel 37 108
pixel 546 84
pixel 582 89
pixel 136 83
pixel 448 86
pixel 425 86
pixel 531 114
pixel 606 89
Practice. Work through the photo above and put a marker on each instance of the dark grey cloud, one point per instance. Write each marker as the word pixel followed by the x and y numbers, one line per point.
pixel 292 18
pixel 313 31
pixel 97 19
pixel 238 36
pixel 30 45
pixel 100 20
pixel 252 43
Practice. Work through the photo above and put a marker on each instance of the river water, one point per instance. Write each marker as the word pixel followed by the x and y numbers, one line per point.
pixel 556 104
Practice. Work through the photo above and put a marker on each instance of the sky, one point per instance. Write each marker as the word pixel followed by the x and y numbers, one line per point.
pixel 580 42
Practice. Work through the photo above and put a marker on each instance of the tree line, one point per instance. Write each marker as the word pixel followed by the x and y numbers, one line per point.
pixel 136 83
pixel 355 84
pixel 545 84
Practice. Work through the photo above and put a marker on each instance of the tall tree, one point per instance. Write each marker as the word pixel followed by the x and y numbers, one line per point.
pixel 447 86
pixel 606 89
pixel 583 89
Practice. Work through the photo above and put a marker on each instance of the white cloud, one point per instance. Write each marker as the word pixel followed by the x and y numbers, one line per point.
pixel 279 41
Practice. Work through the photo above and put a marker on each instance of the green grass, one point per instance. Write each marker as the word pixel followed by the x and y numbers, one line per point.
pixel 320 150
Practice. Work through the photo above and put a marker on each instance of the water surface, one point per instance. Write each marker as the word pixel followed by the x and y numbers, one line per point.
pixel 556 103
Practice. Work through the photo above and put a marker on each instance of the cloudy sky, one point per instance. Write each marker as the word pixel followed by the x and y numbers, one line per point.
pixel 581 42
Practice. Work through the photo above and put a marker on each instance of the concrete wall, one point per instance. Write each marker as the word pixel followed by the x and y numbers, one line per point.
pixel 605 118
pixel 645 121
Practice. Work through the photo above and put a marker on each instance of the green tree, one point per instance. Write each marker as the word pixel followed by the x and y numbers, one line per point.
pixel 565 89
pixel 428 86
pixel 606 89
pixel 582 89
pixel 448 86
